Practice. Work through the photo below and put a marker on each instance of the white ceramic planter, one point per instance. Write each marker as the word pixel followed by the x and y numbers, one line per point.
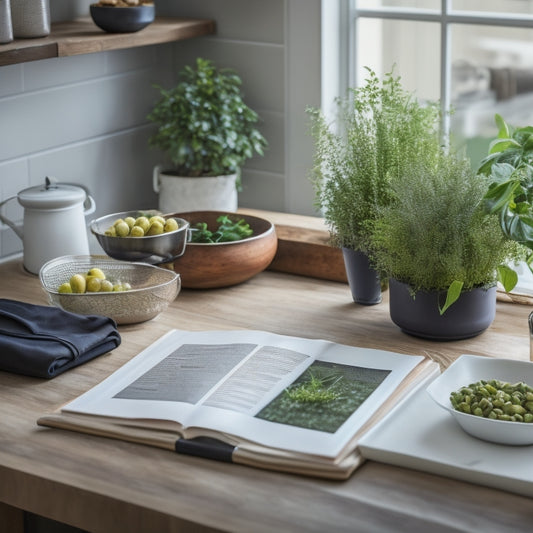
pixel 181 194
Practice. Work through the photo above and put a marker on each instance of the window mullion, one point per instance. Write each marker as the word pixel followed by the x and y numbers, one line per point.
pixel 445 68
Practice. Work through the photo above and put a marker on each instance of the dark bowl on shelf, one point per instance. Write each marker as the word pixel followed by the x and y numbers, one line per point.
pixel 122 19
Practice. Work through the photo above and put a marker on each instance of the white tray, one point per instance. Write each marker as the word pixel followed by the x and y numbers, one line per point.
pixel 423 436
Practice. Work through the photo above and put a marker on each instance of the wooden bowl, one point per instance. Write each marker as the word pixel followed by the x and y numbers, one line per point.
pixel 212 265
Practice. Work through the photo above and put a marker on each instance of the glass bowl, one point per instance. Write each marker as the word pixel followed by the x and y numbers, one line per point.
pixel 152 288
pixel 152 249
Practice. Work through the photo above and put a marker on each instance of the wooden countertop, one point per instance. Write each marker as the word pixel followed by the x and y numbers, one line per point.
pixel 104 485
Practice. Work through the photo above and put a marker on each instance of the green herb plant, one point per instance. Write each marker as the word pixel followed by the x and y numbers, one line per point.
pixel 204 126
pixel 509 167
pixel 378 130
pixel 316 389
pixel 227 231
pixel 436 234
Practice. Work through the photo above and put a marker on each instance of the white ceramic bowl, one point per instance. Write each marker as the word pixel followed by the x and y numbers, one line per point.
pixel 469 369
pixel 152 288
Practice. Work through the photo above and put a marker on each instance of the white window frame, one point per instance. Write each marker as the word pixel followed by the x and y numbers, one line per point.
pixel 445 17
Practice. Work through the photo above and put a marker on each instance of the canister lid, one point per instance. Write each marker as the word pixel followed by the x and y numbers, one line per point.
pixel 51 195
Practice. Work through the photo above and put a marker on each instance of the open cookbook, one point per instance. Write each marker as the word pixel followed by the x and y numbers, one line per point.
pixel 250 397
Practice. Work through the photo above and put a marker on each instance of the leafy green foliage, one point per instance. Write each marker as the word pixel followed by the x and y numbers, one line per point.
pixel 379 129
pixel 509 166
pixel 227 231
pixel 452 295
pixel 203 123
pixel 436 235
pixel 512 145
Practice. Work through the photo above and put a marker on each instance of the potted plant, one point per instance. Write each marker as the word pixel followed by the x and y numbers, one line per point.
pixel 207 132
pixel 442 250
pixel 378 130
pixel 509 167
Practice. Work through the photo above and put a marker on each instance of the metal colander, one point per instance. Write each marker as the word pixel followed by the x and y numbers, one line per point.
pixel 152 288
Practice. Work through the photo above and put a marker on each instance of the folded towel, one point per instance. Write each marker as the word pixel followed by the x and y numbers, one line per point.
pixel 42 341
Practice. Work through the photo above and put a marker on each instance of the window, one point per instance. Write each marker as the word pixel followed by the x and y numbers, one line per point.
pixel 476 56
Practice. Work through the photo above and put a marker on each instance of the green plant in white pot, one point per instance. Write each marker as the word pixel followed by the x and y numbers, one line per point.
pixel 442 250
pixel 207 132
pixel 378 130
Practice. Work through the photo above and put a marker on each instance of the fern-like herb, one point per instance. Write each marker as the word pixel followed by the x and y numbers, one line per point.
pixel 436 231
pixel 379 129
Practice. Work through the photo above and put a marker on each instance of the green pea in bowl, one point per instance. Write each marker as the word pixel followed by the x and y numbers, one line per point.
pixel 470 369
pixel 150 289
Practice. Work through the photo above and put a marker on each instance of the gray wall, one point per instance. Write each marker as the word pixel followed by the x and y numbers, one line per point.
pixel 82 119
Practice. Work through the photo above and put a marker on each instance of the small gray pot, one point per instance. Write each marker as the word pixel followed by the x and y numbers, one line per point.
pixel 363 279
pixel 469 316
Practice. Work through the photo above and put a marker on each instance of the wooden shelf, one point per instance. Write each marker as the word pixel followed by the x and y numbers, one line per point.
pixel 82 36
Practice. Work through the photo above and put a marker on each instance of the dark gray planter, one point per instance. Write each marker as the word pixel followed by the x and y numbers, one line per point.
pixel 469 316
pixel 363 279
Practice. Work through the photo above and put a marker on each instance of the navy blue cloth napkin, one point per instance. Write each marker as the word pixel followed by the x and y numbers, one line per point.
pixel 43 341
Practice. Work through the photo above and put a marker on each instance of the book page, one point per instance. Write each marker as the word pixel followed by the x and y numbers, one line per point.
pixel 249 384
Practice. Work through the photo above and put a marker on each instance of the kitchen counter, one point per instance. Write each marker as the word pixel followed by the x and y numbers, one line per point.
pixel 104 485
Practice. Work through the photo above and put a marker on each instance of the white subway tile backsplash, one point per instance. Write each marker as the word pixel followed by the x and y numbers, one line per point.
pixel 11 80
pixel 10 243
pixel 14 177
pixel 271 125
pixel 130 59
pixel 61 71
pixel 262 190
pixel 263 20
pixel 260 67
pixel 63 115
pixel 117 169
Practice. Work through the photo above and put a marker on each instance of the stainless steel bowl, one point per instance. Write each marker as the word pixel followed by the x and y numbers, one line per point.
pixel 152 249
pixel 152 288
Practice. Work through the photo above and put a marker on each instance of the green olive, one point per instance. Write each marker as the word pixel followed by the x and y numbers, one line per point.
pixel 157 218
pixel 96 272
pixel 171 224
pixel 156 228
pixel 106 286
pixel 94 284
pixel 78 283
pixel 137 231
pixel 143 222
pixel 65 288
pixel 130 221
pixel 122 229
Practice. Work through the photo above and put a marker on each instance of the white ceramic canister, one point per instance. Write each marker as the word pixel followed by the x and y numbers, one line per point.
pixel 53 223
pixel 181 193
pixel 30 18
